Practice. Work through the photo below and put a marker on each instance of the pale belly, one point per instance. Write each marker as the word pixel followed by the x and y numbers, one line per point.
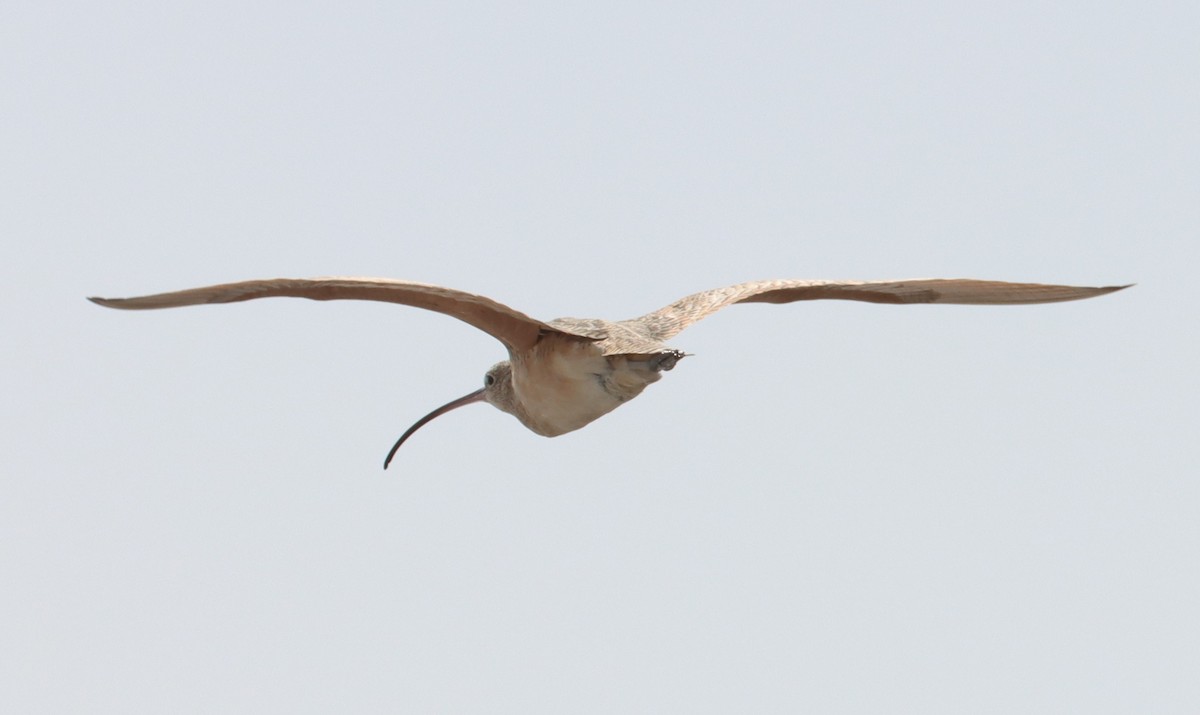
pixel 563 389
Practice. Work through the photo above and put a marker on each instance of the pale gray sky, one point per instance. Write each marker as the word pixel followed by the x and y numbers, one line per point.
pixel 830 508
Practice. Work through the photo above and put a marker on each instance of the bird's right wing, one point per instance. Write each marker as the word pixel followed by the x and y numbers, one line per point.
pixel 665 323
pixel 516 330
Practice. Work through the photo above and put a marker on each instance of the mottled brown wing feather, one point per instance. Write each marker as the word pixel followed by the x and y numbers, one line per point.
pixel 664 324
pixel 516 330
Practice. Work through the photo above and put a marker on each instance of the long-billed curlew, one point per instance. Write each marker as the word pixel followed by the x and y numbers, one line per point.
pixel 562 374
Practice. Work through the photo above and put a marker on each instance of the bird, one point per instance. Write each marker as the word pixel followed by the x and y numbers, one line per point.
pixel 562 374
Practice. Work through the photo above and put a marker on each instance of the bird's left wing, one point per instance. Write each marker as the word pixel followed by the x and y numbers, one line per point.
pixel 665 323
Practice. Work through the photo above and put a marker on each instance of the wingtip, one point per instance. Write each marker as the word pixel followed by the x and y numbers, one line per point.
pixel 109 302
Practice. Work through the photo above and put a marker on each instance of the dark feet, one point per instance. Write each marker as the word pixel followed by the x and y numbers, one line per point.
pixel 666 360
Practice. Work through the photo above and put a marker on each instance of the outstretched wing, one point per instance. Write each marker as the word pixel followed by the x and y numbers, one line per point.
pixel 665 323
pixel 516 330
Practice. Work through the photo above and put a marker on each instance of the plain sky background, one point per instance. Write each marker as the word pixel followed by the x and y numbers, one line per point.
pixel 831 507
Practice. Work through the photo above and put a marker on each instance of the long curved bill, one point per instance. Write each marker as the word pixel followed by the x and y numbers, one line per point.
pixel 476 396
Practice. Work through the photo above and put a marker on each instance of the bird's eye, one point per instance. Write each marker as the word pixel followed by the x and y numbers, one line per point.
pixel 488 380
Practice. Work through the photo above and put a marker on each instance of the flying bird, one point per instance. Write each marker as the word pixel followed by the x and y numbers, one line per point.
pixel 562 374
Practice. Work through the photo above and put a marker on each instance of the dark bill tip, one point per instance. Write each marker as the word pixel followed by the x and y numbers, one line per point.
pixel 476 396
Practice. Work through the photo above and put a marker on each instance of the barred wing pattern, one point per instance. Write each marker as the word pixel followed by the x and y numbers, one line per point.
pixel 643 335
pixel 663 324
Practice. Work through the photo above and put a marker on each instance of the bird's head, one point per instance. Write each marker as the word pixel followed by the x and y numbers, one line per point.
pixel 497 391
